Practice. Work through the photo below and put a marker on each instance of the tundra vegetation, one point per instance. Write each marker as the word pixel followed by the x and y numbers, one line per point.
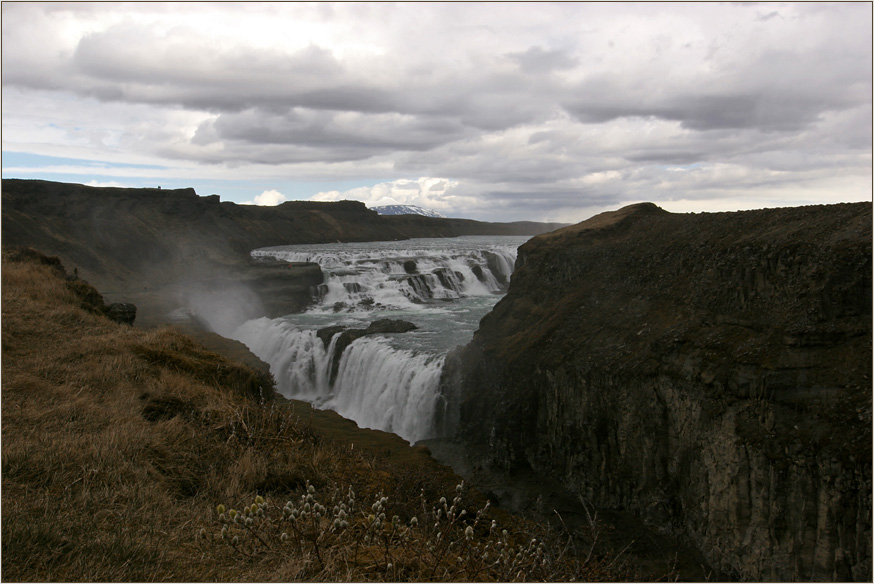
pixel 138 455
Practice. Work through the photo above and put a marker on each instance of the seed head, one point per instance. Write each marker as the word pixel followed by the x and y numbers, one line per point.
pixel 220 509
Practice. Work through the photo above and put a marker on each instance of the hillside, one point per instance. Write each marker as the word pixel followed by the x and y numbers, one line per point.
pixel 134 456
pixel 158 247
pixel 708 372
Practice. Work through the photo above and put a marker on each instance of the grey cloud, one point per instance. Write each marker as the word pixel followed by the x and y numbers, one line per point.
pixel 781 112
pixel 782 90
pixel 178 71
pixel 537 61
pixel 361 134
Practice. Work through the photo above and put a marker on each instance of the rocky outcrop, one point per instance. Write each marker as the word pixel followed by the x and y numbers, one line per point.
pixel 87 297
pixel 710 373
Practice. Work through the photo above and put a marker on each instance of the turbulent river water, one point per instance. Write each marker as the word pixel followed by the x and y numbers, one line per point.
pixel 388 381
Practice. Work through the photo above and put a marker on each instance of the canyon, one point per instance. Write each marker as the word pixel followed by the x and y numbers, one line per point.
pixel 709 374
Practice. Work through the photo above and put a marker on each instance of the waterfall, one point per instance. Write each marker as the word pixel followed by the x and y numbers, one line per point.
pixel 388 389
pixel 402 274
pixel 377 385
pixel 298 359
pixel 390 383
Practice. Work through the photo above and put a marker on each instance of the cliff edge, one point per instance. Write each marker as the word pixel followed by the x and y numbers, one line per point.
pixel 708 372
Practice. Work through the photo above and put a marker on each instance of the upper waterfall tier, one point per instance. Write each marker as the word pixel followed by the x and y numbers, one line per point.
pixel 400 274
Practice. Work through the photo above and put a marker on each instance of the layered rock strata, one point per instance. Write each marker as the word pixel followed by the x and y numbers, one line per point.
pixel 710 373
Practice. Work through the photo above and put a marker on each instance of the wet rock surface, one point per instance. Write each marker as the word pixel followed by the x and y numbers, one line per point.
pixel 708 373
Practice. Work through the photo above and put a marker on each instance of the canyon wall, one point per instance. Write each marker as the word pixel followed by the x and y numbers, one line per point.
pixel 708 372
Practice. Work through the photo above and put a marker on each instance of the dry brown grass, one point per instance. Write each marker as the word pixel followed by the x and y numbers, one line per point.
pixel 118 443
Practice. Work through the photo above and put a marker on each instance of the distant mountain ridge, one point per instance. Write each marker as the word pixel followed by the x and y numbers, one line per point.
pixel 407 210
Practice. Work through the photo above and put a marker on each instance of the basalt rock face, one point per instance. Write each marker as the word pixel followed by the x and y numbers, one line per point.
pixel 709 373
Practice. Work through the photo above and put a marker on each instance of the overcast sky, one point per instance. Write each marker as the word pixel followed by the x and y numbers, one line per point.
pixel 497 112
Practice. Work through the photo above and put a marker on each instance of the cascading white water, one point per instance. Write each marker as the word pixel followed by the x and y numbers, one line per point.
pixel 401 388
pixel 377 385
pixel 389 382
pixel 401 274
pixel 298 359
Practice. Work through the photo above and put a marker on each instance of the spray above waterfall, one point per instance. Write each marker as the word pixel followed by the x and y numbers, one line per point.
pixel 385 381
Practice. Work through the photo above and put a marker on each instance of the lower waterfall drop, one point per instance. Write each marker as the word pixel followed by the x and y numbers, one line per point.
pixel 377 385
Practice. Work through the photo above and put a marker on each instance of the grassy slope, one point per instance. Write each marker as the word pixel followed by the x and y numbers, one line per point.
pixel 118 443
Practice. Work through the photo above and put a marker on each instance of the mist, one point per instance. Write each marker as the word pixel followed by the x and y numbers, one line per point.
pixel 222 308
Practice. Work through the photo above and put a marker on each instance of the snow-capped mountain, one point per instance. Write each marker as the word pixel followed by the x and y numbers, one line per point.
pixel 406 210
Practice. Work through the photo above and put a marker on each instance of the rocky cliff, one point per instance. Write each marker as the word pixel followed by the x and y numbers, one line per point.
pixel 709 372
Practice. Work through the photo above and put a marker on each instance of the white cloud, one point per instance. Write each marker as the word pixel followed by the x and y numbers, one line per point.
pixel 439 194
pixel 269 198
pixel 97 183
